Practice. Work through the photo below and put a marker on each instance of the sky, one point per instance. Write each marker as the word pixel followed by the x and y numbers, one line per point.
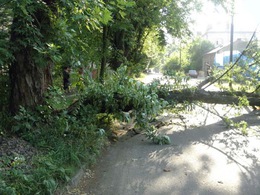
pixel 246 18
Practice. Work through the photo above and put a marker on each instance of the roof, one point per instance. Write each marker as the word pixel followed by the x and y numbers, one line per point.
pixel 239 45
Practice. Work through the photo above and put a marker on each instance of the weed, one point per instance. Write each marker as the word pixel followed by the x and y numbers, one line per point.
pixel 152 135
pixel 69 138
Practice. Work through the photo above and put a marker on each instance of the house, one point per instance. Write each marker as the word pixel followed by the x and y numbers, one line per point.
pixel 220 56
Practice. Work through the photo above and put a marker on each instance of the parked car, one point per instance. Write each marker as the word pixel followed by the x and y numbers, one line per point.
pixel 193 73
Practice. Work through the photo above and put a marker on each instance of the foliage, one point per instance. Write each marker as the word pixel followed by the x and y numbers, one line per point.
pixel 68 139
pixel 4 95
pixel 173 65
pixel 147 19
pixel 65 141
pixel 241 125
pixel 77 27
pixel 4 89
pixel 197 49
pixel 154 51
pixel 62 33
pixel 188 56
pixel 144 103
pixel 241 78
pixel 152 134
pixel 69 130
pixel 120 93
pixel 5 21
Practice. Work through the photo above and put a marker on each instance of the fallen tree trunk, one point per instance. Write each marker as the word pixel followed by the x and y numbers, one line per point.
pixel 212 97
pixel 175 96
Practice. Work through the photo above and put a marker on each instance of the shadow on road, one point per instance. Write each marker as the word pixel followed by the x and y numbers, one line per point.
pixel 205 158
pixel 210 159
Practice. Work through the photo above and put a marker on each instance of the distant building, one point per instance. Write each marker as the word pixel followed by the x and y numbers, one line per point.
pixel 220 38
pixel 220 56
pixel 218 32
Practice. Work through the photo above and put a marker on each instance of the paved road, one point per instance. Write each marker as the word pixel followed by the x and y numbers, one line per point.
pixel 191 81
pixel 204 158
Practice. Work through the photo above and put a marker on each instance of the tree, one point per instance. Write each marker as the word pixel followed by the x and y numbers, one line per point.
pixel 173 65
pixel 30 71
pixel 44 32
pixel 49 32
pixel 197 49
pixel 154 51
pixel 128 33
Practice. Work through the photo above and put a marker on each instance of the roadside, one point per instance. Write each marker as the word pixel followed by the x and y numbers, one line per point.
pixel 205 157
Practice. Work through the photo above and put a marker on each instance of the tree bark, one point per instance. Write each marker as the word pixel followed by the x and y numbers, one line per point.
pixel 118 42
pixel 104 53
pixel 177 96
pixel 211 97
pixel 29 79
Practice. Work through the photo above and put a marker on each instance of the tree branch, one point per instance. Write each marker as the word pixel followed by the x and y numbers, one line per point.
pixel 231 67
pixel 211 97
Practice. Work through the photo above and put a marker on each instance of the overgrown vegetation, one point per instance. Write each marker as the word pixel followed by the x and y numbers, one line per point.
pixel 187 55
pixel 114 39
pixel 63 142
pixel 69 137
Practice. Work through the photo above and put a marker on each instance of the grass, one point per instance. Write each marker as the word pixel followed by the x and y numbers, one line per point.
pixel 63 143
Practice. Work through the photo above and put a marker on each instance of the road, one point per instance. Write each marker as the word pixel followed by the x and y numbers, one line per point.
pixel 191 81
pixel 204 158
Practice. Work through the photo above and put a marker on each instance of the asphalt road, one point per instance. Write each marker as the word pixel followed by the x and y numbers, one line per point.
pixel 204 158
pixel 191 81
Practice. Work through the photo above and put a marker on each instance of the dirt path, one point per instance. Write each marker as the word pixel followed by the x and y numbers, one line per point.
pixel 204 158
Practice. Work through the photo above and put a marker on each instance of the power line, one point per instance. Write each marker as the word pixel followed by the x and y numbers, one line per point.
pixel 231 67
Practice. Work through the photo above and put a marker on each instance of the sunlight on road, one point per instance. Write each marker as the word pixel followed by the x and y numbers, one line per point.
pixel 192 82
pixel 205 157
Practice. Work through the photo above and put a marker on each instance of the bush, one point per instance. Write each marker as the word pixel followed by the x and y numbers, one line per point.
pixel 70 133
pixel 173 65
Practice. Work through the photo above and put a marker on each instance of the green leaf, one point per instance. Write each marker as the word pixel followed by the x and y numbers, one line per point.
pixel 122 14
pixel 50 185
pixel 24 10
pixel 106 16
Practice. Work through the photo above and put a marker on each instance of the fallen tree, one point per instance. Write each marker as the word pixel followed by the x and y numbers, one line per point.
pixel 212 97
pixel 128 97
pixel 121 102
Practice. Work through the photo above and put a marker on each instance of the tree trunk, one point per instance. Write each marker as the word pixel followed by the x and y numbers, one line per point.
pixel 177 96
pixel 104 53
pixel 211 97
pixel 29 79
pixel 119 51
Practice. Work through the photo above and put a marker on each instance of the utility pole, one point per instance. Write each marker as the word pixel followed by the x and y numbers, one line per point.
pixel 231 38
pixel 232 31
pixel 180 53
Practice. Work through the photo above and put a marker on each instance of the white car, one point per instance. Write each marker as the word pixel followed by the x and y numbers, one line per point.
pixel 193 73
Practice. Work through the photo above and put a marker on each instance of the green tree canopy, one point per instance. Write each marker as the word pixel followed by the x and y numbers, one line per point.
pixel 197 50
pixel 48 34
